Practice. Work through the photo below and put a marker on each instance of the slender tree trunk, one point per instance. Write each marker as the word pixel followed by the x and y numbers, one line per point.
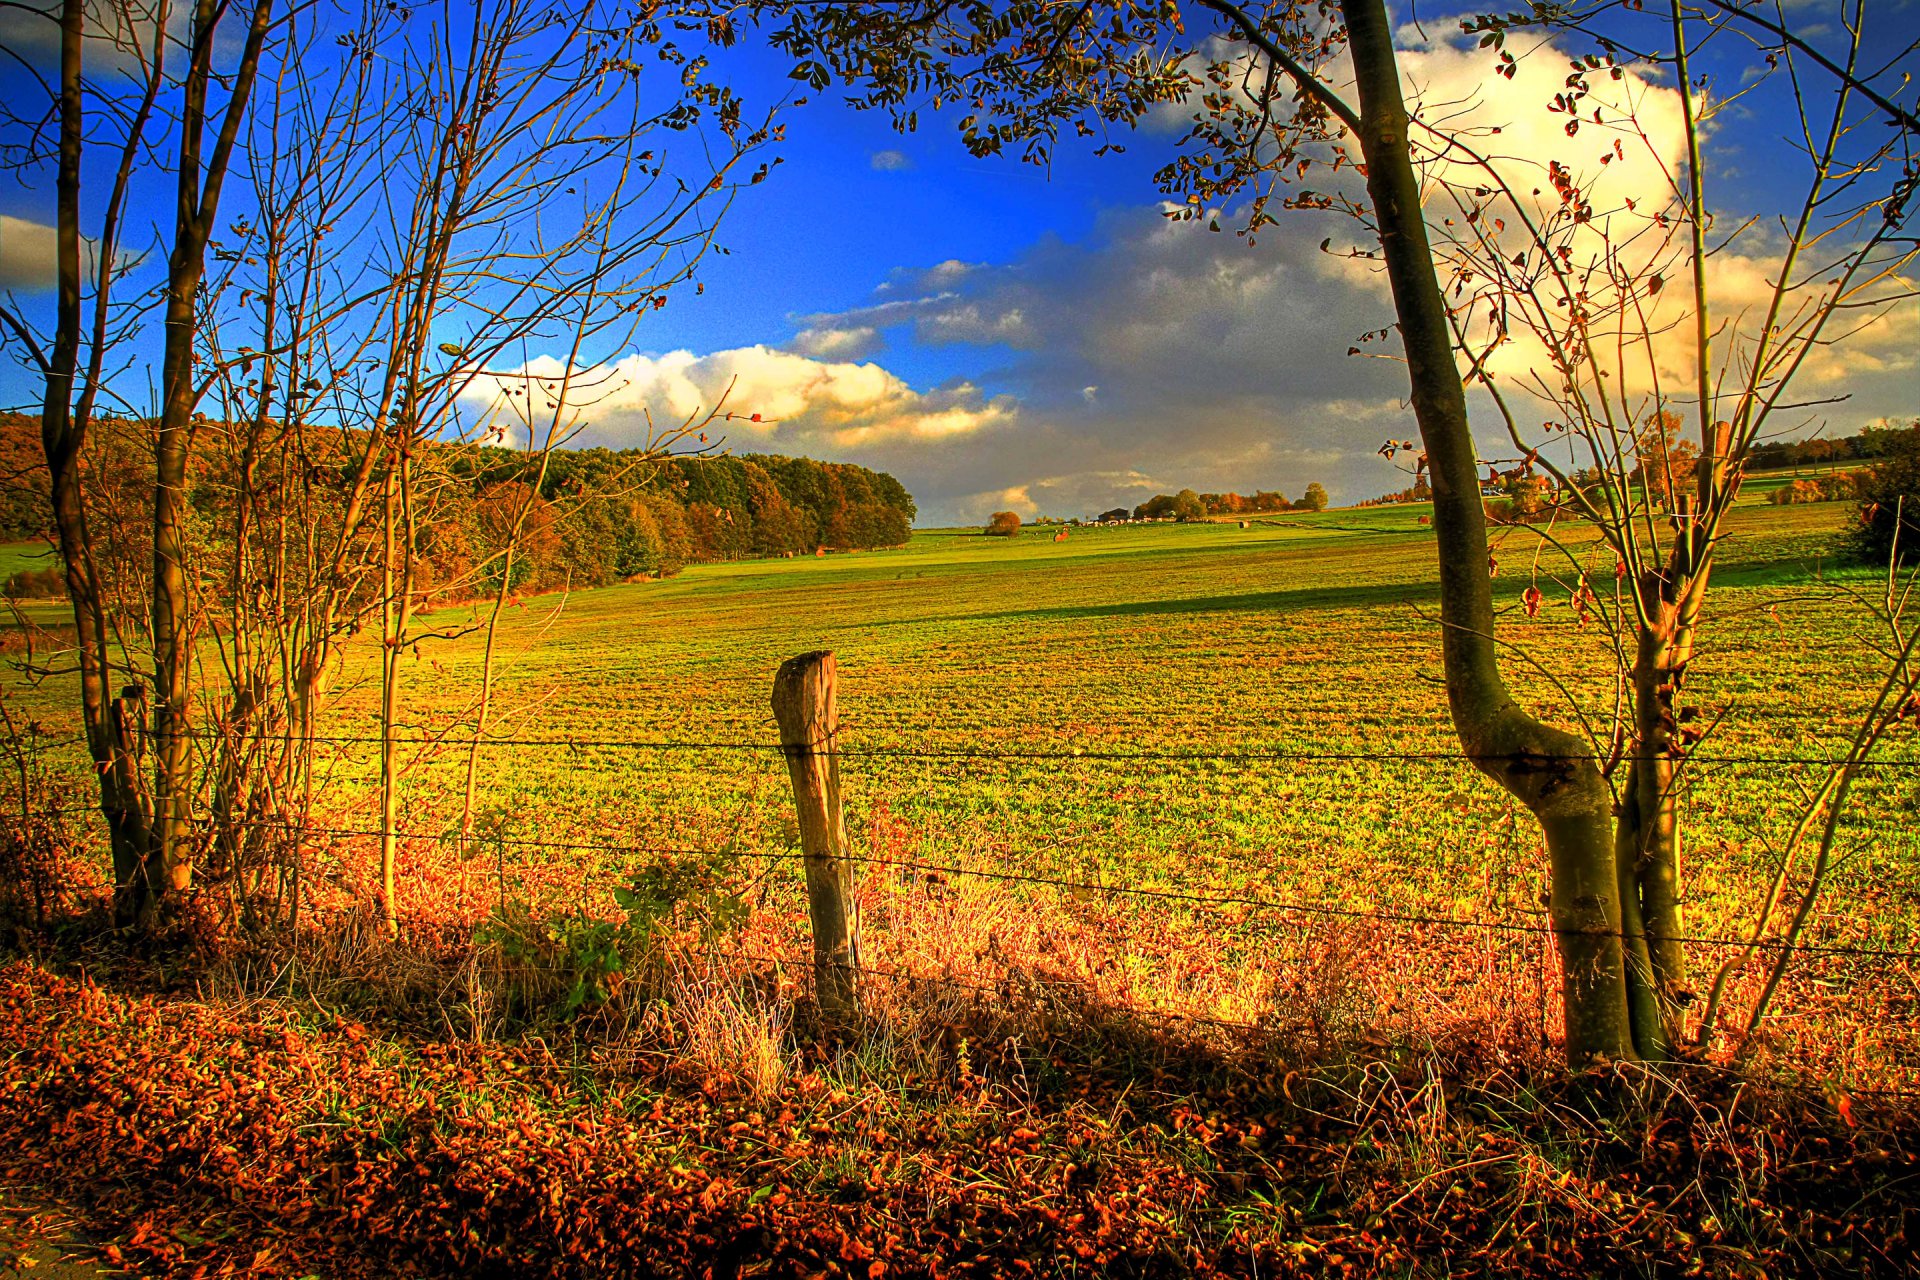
pixel 63 437
pixel 389 712
pixel 172 626
pixel 200 180
pixel 1550 771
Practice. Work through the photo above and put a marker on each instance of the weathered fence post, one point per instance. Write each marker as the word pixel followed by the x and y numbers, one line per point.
pixel 803 703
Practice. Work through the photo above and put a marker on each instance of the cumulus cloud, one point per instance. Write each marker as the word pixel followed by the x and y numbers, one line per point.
pixel 771 399
pixel 829 342
pixel 1623 155
pixel 890 161
pixel 1154 357
pixel 26 254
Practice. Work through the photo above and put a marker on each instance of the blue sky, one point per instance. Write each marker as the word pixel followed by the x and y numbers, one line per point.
pixel 1001 336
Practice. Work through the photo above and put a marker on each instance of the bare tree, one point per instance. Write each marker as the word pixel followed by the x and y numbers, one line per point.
pixel 1562 308
pixel 131 96
pixel 431 205
pixel 504 183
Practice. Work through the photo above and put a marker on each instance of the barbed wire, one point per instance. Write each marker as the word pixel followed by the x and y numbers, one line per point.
pixel 1096 754
pixel 1286 906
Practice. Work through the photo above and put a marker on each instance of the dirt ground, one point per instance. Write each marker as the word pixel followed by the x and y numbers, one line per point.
pixel 38 1239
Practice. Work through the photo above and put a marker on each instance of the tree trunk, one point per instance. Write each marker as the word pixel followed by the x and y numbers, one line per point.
pixel 1550 771
pixel 200 179
pixel 110 739
pixel 172 626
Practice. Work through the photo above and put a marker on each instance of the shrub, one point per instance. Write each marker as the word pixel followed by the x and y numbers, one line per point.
pixel 1003 524
pixel 562 965
pixel 1889 495
pixel 36 584
pixel 36 871
pixel 1837 486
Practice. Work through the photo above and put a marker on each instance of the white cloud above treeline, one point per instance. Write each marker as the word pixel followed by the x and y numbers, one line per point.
pixel 26 254
pixel 773 400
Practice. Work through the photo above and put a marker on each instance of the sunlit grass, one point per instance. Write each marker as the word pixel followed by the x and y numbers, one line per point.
pixel 1309 635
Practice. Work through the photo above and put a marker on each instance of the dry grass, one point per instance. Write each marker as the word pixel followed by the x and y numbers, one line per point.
pixel 732 1031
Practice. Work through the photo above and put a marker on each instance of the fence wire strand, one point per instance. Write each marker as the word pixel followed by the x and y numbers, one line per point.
pixel 1291 907
pixel 1095 754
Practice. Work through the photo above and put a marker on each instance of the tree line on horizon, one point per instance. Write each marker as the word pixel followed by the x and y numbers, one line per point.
pixel 1191 505
pixel 593 517
pixel 1664 461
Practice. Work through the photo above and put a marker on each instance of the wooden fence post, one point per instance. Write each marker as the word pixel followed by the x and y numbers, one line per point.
pixel 804 705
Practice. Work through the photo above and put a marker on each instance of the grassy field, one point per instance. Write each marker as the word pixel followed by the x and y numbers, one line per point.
pixel 1169 658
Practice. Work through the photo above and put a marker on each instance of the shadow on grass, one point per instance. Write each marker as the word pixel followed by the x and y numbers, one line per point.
pixel 1296 600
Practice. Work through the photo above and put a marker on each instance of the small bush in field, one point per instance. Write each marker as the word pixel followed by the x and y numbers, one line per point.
pixel 1838 486
pixel 561 965
pixel 36 584
pixel 1890 501
pixel 1003 524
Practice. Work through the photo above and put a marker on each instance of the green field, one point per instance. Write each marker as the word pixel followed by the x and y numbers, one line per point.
pixel 999 659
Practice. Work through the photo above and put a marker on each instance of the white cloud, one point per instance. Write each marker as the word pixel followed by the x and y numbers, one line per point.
pixel 773 400
pixel 1623 159
pixel 1155 357
pixel 891 161
pixel 830 343
pixel 26 254
pixel 969 323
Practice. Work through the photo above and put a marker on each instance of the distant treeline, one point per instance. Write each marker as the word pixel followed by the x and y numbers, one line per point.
pixel 1874 444
pixel 1189 505
pixel 1870 445
pixel 599 516
pixel 625 516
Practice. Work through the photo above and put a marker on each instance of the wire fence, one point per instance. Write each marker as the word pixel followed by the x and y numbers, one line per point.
pixel 409 741
pixel 1063 991
pixel 302 831
pixel 1019 869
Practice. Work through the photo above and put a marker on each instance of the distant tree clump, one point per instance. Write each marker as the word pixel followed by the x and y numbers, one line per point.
pixel 1664 462
pixel 1418 491
pixel 1834 486
pixel 36 584
pixel 598 516
pixel 25 512
pixel 1002 524
pixel 1890 501
pixel 1314 499
pixel 1188 505
pixel 1234 504
pixel 1870 444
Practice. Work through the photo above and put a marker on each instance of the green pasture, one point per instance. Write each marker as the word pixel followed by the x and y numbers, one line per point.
pixel 21 557
pixel 1308 634
pixel 18 557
